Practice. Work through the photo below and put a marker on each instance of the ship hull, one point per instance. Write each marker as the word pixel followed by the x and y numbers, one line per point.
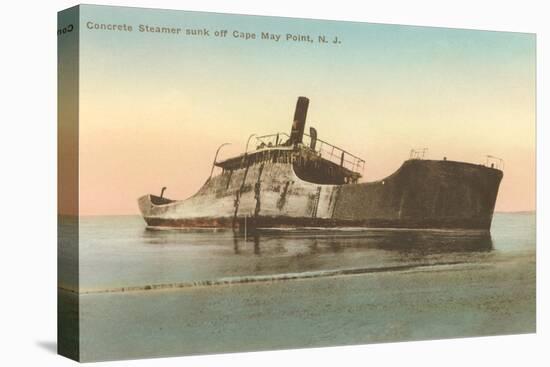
pixel 422 194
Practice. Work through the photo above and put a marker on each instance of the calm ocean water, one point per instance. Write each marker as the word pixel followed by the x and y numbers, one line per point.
pixel 220 292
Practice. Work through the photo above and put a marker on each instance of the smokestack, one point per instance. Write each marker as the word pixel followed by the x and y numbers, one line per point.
pixel 299 123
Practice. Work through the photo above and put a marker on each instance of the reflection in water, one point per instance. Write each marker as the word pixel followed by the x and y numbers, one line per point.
pixel 236 245
pixel 188 256
pixel 119 252
pixel 405 242
pixel 256 238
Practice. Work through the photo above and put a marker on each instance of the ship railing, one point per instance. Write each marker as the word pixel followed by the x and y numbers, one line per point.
pixel 324 149
pixel 418 153
pixel 272 140
pixel 494 162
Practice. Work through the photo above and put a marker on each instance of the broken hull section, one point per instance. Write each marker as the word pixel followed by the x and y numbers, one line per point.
pixel 424 194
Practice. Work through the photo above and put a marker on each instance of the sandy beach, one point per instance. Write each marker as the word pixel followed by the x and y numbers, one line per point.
pixel 439 302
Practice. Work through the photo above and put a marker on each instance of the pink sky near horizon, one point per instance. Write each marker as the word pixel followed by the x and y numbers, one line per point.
pixel 120 161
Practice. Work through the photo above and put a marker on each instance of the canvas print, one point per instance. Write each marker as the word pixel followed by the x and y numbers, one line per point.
pixel 232 183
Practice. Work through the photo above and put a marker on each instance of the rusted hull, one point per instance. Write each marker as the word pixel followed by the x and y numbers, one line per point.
pixel 266 194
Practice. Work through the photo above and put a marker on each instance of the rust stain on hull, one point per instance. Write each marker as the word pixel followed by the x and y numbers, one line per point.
pixel 421 194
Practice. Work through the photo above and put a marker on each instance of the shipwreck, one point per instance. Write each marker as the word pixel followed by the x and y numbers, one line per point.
pixel 300 180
